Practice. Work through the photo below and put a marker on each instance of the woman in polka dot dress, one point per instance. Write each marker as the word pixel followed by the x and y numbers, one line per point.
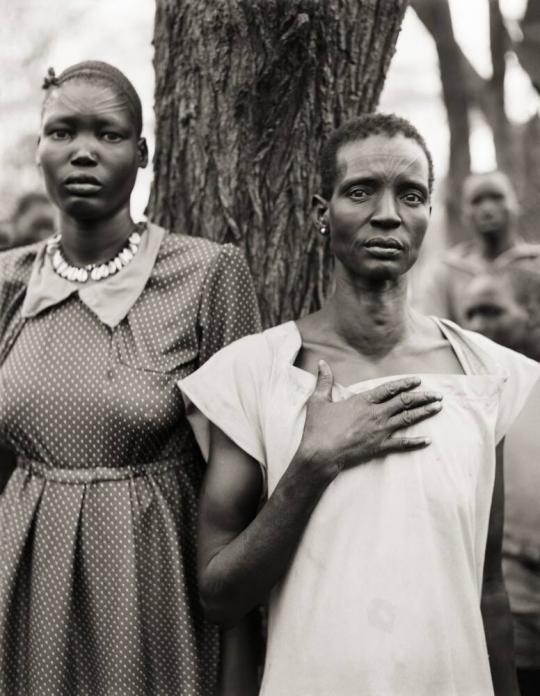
pixel 98 590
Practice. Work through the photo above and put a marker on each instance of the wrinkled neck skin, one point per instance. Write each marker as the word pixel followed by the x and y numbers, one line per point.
pixel 95 241
pixel 372 316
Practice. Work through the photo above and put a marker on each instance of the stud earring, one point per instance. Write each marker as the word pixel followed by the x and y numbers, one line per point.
pixel 323 230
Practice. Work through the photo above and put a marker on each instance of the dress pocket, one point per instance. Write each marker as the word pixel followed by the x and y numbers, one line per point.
pixel 151 347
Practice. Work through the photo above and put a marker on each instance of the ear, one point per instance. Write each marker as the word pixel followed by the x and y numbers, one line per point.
pixel 319 211
pixel 142 153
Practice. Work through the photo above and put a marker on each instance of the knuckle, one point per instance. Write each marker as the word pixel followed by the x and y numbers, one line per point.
pixel 389 389
pixel 385 392
pixel 407 417
pixel 394 388
pixel 406 399
pixel 378 417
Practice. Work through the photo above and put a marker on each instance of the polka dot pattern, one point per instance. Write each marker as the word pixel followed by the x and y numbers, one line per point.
pixel 98 591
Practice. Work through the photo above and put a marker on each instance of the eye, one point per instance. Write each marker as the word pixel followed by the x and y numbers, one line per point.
pixel 358 193
pixel 60 134
pixel 413 198
pixel 111 137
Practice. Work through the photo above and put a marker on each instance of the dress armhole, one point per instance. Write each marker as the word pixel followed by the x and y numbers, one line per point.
pixel 226 391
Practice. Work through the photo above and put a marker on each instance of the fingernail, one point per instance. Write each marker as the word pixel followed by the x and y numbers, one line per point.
pixel 435 395
pixel 427 441
pixel 436 406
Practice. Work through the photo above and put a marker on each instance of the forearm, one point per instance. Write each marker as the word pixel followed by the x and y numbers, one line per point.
pixel 241 658
pixel 241 574
pixel 499 638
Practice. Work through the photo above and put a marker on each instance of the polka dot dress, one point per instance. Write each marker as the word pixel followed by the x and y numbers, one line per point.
pixel 98 592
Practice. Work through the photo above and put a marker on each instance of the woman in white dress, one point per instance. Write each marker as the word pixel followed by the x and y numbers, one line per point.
pixel 355 460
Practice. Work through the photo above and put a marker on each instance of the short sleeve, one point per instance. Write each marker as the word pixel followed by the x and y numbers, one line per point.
pixel 228 391
pixel 520 375
pixel 228 308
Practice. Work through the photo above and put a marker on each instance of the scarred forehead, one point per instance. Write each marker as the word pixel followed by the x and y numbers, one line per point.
pixel 380 155
pixel 82 98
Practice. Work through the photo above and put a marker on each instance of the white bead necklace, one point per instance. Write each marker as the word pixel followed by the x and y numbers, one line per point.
pixel 92 271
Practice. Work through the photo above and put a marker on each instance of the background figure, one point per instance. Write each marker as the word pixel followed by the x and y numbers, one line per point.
pixel 506 308
pixel 33 219
pixel 490 211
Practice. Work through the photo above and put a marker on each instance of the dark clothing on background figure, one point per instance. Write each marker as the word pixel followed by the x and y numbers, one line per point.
pixel 98 591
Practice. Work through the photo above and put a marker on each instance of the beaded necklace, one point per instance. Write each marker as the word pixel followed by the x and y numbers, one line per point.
pixel 93 271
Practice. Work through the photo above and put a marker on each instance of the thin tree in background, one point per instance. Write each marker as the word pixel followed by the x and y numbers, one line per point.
pixel 436 18
pixel 246 91
pixel 517 147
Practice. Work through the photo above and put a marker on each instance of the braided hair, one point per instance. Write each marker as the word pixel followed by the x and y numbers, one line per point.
pixel 98 71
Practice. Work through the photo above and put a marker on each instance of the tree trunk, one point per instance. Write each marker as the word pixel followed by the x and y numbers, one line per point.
pixel 437 20
pixel 246 92
pixel 528 50
pixel 500 44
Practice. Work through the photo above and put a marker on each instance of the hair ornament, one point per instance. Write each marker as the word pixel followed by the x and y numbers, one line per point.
pixel 50 79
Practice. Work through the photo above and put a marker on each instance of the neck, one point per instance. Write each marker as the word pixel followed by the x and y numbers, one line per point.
pixel 492 246
pixel 371 316
pixel 94 241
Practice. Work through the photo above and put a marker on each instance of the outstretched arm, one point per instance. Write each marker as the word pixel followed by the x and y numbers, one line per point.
pixel 495 605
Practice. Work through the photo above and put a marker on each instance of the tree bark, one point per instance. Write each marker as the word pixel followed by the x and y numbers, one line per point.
pixel 437 20
pixel 246 92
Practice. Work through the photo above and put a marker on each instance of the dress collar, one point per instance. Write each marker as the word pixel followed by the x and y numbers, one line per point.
pixel 109 299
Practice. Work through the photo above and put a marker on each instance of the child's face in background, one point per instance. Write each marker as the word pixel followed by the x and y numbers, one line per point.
pixel 491 309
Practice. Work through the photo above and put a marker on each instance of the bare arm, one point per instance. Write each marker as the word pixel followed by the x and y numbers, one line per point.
pixel 244 551
pixel 241 658
pixel 495 606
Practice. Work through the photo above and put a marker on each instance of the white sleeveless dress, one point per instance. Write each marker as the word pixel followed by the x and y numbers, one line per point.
pixel 382 597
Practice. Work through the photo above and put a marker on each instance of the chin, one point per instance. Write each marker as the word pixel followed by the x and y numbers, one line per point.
pixel 382 271
pixel 85 209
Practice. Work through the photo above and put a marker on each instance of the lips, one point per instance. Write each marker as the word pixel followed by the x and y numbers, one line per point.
pixel 384 243
pixel 384 247
pixel 82 184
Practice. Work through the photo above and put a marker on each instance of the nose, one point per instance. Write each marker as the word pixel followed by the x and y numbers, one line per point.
pixel 83 154
pixel 385 215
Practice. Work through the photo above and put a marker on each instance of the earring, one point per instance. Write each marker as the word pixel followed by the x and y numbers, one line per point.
pixel 323 230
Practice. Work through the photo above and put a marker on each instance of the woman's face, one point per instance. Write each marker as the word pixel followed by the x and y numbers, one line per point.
pixel 380 207
pixel 89 150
